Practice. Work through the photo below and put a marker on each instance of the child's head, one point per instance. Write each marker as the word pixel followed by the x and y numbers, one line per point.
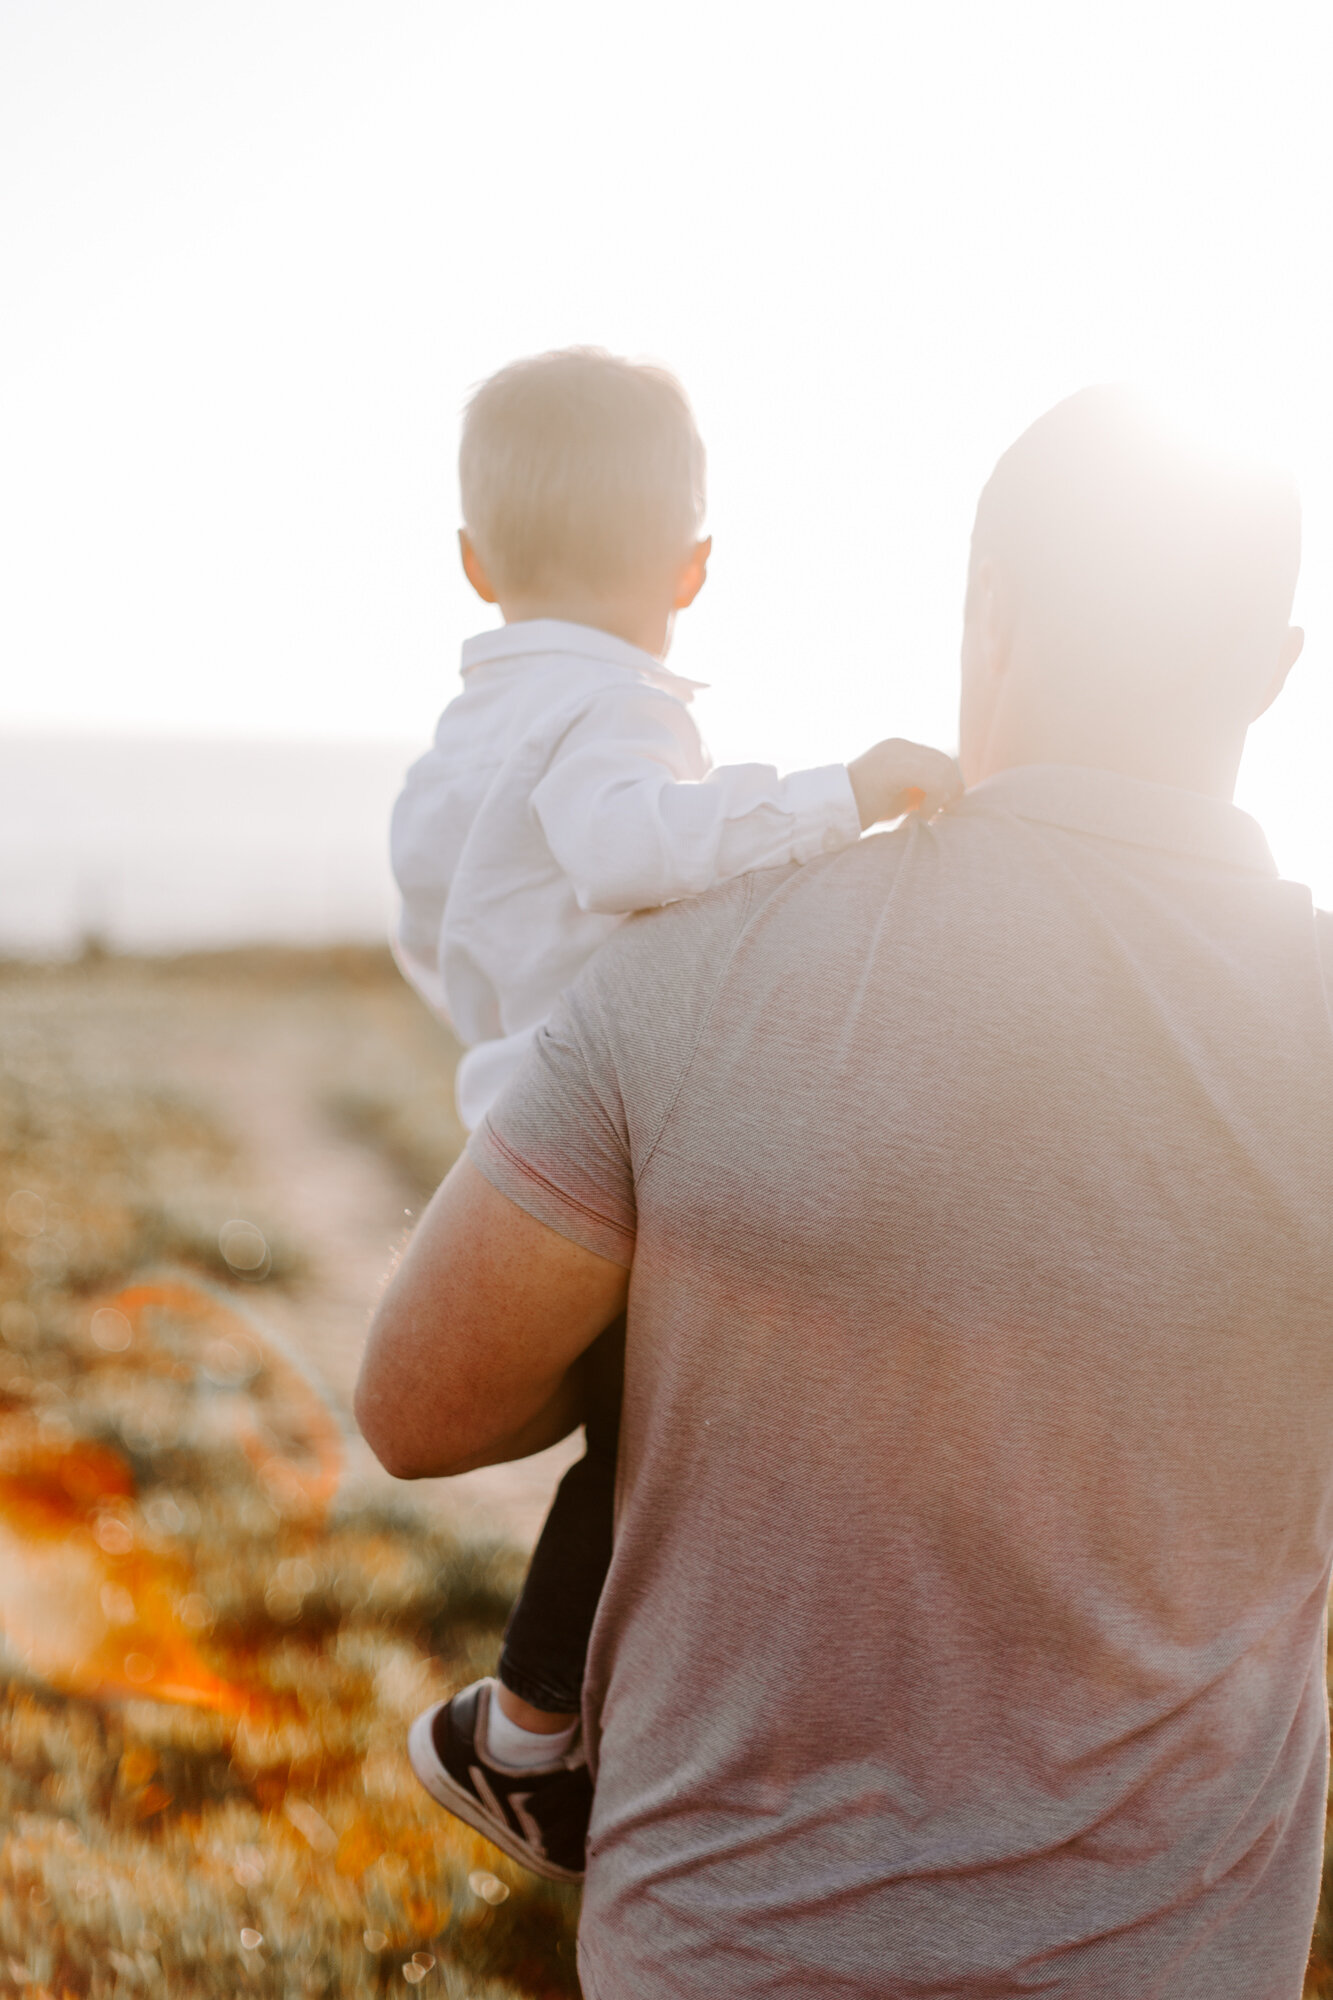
pixel 582 481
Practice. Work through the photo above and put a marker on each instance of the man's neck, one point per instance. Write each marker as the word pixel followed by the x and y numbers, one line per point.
pixel 1046 721
pixel 1207 768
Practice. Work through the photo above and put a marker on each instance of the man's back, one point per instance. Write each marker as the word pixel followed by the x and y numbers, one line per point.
pixel 964 1630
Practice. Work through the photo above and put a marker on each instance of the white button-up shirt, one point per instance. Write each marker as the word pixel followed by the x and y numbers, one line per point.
pixel 569 786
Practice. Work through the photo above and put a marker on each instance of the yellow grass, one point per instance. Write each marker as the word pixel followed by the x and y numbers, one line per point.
pixel 211 1664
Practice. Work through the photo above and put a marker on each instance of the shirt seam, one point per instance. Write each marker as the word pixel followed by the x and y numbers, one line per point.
pixel 704 1019
pixel 521 1166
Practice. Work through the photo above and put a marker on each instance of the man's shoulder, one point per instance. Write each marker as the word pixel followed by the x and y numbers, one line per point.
pixel 639 1011
pixel 639 1007
pixel 659 949
pixel 678 955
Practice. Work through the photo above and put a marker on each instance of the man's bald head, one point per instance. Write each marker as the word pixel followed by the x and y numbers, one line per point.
pixel 1131 582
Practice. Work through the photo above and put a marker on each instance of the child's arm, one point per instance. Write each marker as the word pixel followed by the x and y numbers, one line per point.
pixel 630 817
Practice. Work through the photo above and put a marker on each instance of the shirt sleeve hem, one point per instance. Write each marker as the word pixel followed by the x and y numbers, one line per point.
pixel 512 1176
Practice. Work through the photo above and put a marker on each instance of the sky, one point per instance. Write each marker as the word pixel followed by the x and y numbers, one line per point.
pixel 255 255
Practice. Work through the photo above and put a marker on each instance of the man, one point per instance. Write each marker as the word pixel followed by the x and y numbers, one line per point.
pixel 970 1193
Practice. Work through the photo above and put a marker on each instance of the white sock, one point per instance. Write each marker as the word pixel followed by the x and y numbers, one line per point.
pixel 519 1749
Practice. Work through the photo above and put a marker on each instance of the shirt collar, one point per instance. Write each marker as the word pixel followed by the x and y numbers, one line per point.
pixel 531 637
pixel 1133 810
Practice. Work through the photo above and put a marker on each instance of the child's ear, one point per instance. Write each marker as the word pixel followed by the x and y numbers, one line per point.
pixel 474 569
pixel 693 575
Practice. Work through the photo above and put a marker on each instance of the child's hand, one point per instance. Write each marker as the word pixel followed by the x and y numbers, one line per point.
pixel 896 777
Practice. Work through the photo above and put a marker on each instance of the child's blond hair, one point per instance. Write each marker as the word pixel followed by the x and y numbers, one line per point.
pixel 577 466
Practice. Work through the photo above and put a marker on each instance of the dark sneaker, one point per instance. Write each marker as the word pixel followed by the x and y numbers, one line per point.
pixel 539 1818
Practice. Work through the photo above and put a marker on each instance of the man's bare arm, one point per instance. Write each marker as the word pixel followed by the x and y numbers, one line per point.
pixel 469 1357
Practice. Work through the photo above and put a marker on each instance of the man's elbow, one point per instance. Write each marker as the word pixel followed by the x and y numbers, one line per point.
pixel 398 1462
pixel 400 1450
pixel 379 1434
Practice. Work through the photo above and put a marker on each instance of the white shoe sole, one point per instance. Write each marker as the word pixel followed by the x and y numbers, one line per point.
pixel 456 1799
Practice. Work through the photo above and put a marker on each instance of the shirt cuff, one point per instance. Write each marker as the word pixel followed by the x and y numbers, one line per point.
pixel 521 1183
pixel 825 809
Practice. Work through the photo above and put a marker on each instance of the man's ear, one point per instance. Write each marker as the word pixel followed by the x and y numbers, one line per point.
pixel 474 569
pixel 987 622
pixel 693 575
pixel 1293 641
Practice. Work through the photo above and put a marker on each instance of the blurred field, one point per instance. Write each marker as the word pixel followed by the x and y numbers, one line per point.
pixel 219 1616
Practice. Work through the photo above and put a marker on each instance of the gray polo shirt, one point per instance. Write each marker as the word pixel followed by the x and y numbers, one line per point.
pixel 965 1630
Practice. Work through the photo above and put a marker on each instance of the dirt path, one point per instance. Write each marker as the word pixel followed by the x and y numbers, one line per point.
pixel 351 1214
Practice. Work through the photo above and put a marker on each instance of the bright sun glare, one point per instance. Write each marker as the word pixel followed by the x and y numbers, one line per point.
pixel 261 255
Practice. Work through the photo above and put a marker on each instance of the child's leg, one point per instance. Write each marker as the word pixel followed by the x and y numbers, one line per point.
pixel 506 1757
pixel 546 1640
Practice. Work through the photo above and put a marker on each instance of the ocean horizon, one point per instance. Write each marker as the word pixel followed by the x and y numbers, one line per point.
pixel 163 844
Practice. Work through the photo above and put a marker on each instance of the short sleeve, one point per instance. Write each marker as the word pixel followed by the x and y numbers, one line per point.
pixel 571 1135
pixel 556 1148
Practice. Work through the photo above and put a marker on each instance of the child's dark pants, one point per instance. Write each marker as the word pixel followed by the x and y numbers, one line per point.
pixel 546 1640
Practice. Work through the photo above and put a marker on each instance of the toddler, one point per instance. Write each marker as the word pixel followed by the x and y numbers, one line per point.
pixel 568 786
